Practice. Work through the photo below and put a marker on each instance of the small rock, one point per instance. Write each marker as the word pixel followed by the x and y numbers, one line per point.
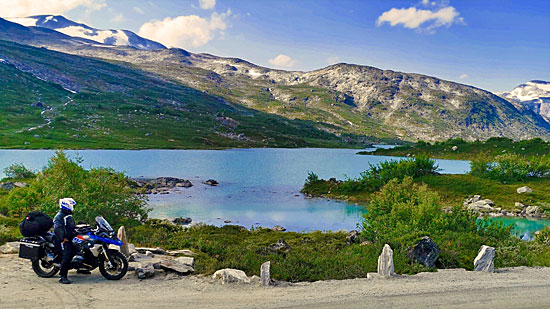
pixel 185 260
pixel 149 254
pixel 279 246
pixel 20 184
pixel 152 250
pixel 454 148
pixel 385 262
pixel 520 205
pixel 265 278
pixel 131 249
pixel 484 260
pixel 175 266
pixel 145 272
pixel 211 182
pixel 229 275
pixel 278 228
pixel 524 189
pixel 182 252
pixel 227 221
pixel 532 211
pixel 133 266
pixel 353 237
pixel 425 252
pixel 10 248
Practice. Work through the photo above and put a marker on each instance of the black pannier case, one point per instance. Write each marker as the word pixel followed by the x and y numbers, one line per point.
pixel 31 248
pixel 35 223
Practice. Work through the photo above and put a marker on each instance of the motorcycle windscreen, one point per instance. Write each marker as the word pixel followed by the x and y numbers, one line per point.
pixel 103 224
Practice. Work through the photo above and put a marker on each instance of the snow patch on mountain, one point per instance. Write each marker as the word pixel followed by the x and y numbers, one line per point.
pixel 534 94
pixel 108 37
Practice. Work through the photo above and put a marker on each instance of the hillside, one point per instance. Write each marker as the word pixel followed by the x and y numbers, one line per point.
pixel 55 100
pixel 534 94
pixel 347 102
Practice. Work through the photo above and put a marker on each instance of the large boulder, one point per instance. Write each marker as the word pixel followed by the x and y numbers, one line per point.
pixel 524 189
pixel 484 260
pixel 385 262
pixel 10 248
pixel 425 252
pixel 229 275
pixel 477 204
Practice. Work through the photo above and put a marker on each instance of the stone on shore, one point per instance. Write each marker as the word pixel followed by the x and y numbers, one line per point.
pixel 425 252
pixel 229 275
pixel 121 234
pixel 524 189
pixel 211 182
pixel 385 262
pixel 182 221
pixel 484 260
pixel 10 248
pixel 265 278
pixel 477 204
pixel 532 211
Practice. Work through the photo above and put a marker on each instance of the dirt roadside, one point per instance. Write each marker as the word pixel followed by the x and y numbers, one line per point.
pixel 520 287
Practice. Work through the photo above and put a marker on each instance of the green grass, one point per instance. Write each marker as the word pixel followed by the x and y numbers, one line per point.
pixel 467 150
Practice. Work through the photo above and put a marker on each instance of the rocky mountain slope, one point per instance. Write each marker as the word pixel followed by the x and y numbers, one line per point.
pixel 343 100
pixel 50 99
pixel 534 94
pixel 71 28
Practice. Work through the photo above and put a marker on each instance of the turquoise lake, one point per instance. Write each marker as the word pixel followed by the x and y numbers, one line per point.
pixel 258 187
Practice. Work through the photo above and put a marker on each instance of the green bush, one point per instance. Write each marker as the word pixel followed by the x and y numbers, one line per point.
pixel 18 171
pixel 99 191
pixel 543 236
pixel 403 212
pixel 378 175
pixel 511 167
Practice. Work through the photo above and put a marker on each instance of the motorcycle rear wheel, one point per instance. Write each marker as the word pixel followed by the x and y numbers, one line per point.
pixel 44 269
pixel 118 267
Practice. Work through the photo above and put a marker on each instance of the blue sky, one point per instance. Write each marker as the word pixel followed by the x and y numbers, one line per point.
pixel 493 44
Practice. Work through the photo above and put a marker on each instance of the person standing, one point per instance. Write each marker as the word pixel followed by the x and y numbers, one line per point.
pixel 64 229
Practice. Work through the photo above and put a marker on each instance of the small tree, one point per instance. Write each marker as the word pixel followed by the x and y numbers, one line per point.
pixel 18 171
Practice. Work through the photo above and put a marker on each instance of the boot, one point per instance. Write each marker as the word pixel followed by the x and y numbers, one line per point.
pixel 64 280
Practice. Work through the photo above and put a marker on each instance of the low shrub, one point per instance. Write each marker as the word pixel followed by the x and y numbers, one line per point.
pixel 18 171
pixel 511 167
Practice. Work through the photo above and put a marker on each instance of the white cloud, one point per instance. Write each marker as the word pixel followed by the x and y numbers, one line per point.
pixel 139 10
pixel 185 31
pixel 413 18
pixel 21 8
pixel 463 76
pixel 333 60
pixel 118 18
pixel 282 61
pixel 207 4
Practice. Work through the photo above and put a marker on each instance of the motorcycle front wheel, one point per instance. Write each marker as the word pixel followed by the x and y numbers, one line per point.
pixel 44 268
pixel 114 269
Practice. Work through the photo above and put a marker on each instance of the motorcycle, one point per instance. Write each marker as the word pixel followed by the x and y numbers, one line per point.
pixel 93 251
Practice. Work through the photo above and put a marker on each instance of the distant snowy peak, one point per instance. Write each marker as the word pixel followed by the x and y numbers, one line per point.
pixel 71 28
pixel 535 91
pixel 534 94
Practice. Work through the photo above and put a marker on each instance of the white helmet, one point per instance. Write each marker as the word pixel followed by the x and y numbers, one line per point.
pixel 67 203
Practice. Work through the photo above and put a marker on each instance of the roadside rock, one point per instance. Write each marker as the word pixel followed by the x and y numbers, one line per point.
pixel 425 252
pixel 524 189
pixel 229 275
pixel 10 248
pixel 385 262
pixel 265 278
pixel 131 249
pixel 152 250
pixel 185 260
pixel 121 234
pixel 278 228
pixel 484 260
pixel 211 182
pixel 353 237
pixel 175 266
pixel 145 272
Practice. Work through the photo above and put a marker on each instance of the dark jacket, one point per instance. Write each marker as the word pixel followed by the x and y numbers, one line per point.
pixel 63 225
